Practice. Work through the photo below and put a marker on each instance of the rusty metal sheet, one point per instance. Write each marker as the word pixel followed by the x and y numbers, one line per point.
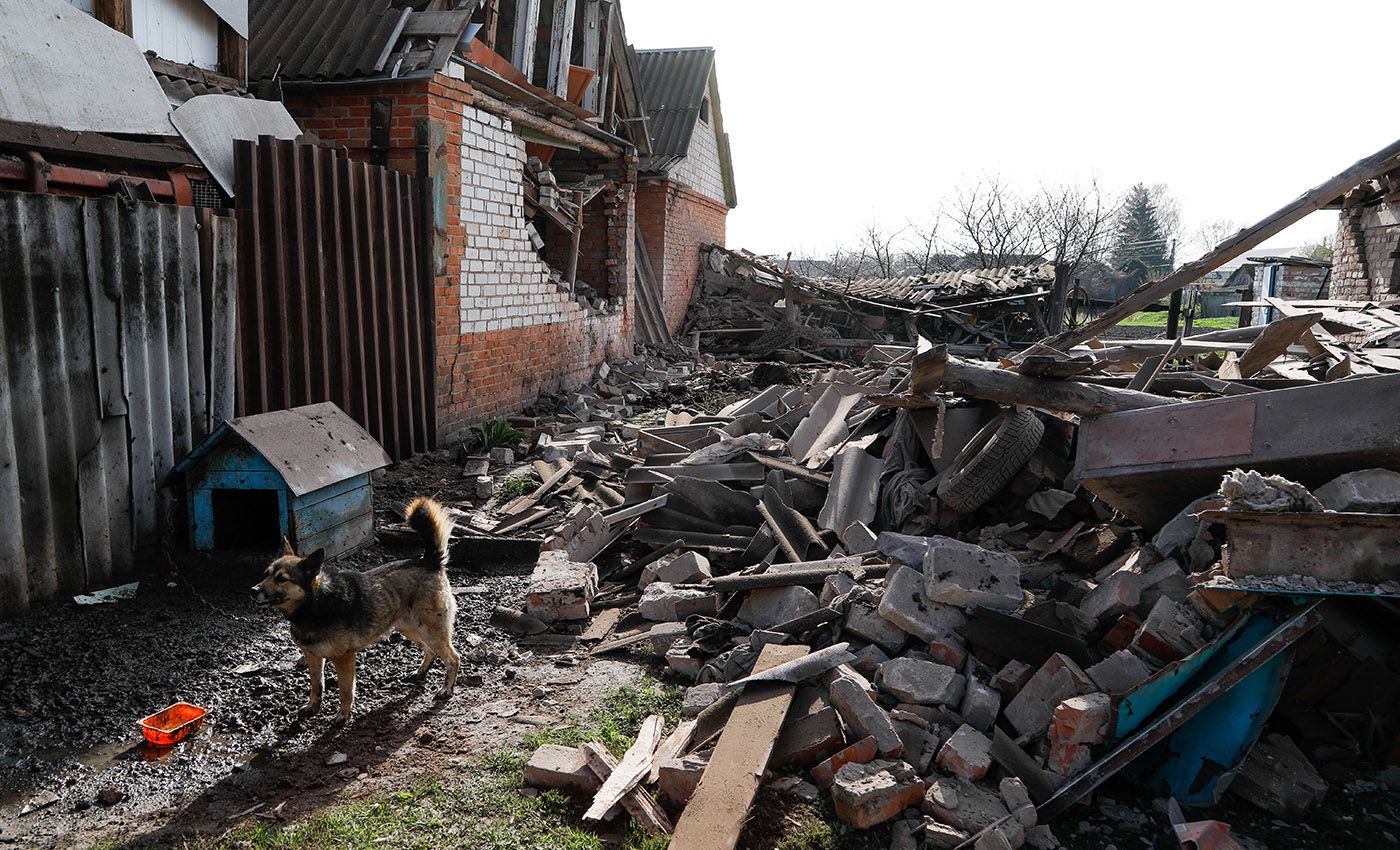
pixel 1328 546
pixel 1180 433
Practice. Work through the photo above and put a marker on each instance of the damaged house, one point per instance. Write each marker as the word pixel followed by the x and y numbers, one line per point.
pixel 1367 260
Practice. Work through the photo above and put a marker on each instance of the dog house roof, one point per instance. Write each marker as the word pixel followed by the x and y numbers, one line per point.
pixel 311 447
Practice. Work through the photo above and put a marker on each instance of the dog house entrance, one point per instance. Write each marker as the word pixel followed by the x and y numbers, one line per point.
pixel 246 520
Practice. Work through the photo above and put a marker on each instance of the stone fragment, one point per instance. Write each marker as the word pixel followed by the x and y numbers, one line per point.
pixel 864 621
pixel 836 585
pixel 921 682
pixel 862 714
pixel 1069 759
pixel 963 805
pixel 870 794
pixel 860 752
pixel 663 602
pixel 981 703
pixel 1017 799
pixel 1082 720
pixel 941 836
pixel 968 754
pixel 560 768
pixel 697 698
pixel 679 659
pixel 811 732
pixel 1013 677
pixel 906 606
pixel 1368 491
pixel 967 575
pixel 1279 779
pixel 560 588
pixel 682 568
pixel 858 538
pixel 904 834
pixel 1116 596
pixel 1119 673
pixel 919 746
pixel 765 608
pixel 678 778
pixel 1165 578
pixel 1057 680
pixel 1041 838
pixel 1170 632
pixel 868 660
pixel 949 650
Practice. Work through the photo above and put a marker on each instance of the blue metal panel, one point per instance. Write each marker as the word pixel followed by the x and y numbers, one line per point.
pixel 1190 764
pixel 1137 707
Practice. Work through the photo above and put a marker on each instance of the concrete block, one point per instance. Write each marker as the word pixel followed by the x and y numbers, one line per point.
pixel 981 703
pixel 1082 720
pixel 919 746
pixel 1165 578
pixel 679 568
pixel 1057 680
pixel 1119 673
pixel 859 538
pixel 865 717
pixel 962 805
pixel 836 585
pixel 561 769
pixel 967 575
pixel 864 621
pixel 678 778
pixel 1013 677
pixel 1116 596
pixel 870 794
pixel 797 787
pixel 906 606
pixel 663 602
pixel 941 836
pixel 968 754
pixel 1017 799
pixel 763 609
pixel 921 682
pixel 1369 491
pixel 679 659
pixel 906 549
pixel 860 752
pixel 560 588
pixel 868 660
pixel 699 697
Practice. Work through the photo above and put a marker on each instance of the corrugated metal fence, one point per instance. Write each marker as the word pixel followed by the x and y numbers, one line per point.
pixel 335 300
pixel 118 321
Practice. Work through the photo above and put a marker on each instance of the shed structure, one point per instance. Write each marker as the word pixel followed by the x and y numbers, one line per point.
pixel 302 474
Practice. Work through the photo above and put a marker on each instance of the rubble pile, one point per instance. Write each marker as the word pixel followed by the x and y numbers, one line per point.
pixel 950 632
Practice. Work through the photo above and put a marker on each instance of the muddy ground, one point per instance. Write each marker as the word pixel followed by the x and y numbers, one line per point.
pixel 74 681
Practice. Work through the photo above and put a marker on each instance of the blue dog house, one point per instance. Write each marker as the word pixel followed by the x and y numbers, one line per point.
pixel 302 474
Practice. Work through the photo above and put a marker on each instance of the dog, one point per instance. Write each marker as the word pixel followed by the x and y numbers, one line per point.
pixel 335 613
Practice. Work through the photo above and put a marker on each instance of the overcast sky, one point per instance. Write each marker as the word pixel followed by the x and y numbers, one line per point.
pixel 840 113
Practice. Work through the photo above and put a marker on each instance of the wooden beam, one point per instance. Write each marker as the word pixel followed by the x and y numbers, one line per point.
pixel 543 126
pixel 1275 340
pixel 561 47
pixel 715 815
pixel 1310 201
pixel 592 58
pixel 115 14
pixel 493 21
pixel 233 54
pixel 527 28
pixel 638 803
pixel 575 243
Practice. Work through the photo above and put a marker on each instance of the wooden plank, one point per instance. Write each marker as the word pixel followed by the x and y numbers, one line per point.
pixel 1152 367
pixel 601 626
pixel 1314 199
pixel 635 766
pixel 638 803
pixel 436 23
pixel 636 510
pixel 561 47
pixel 629 640
pixel 1275 340
pixel 670 748
pixel 714 817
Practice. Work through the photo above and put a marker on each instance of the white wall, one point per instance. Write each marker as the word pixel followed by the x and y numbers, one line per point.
pixel 185 31
pixel 701 169
pixel 89 6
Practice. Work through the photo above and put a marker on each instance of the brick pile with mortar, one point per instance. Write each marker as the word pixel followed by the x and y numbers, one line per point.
pixel 506 331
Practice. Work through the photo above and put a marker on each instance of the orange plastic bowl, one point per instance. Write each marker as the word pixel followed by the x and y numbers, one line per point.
pixel 170 726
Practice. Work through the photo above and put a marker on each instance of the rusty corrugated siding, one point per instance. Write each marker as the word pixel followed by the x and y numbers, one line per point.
pixel 336 305
pixel 113 326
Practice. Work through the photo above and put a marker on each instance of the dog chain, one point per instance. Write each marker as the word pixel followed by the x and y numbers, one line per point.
pixel 167 548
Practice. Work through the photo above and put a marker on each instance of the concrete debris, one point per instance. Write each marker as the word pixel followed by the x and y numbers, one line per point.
pixel 921 682
pixel 1278 778
pixel 966 575
pixel 967 753
pixel 560 588
pixel 1369 491
pixel 870 794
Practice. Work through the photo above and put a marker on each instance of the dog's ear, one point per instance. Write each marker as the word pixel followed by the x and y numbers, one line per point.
pixel 311 564
pixel 287 547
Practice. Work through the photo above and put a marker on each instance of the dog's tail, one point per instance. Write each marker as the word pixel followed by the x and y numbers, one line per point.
pixel 432 523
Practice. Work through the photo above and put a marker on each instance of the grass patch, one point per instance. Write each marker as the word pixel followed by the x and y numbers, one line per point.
pixel 616 722
pixel 483 807
pixel 1158 319
pixel 519 485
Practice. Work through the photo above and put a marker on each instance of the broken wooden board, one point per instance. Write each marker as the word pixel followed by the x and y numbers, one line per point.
pixel 635 766
pixel 1274 341
pixel 715 815
pixel 1152 367
pixel 601 626
pixel 637 802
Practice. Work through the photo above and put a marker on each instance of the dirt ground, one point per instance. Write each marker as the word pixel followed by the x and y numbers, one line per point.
pixel 74 681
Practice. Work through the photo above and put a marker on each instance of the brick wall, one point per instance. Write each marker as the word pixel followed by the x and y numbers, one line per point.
pixel 1367 259
pixel 506 329
pixel 675 221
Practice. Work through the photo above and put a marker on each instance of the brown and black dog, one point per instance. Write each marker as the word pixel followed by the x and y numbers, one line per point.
pixel 335 613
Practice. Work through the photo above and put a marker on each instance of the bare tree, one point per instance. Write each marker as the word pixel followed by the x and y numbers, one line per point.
pixel 923 253
pixel 1073 223
pixel 1168 210
pixel 991 226
pixel 878 246
pixel 1209 234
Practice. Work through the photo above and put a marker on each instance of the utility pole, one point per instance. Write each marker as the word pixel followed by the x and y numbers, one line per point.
pixel 1174 311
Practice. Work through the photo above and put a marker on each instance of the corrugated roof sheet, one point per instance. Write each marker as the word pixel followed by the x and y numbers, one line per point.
pixel 322 40
pixel 674 83
pixel 928 289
